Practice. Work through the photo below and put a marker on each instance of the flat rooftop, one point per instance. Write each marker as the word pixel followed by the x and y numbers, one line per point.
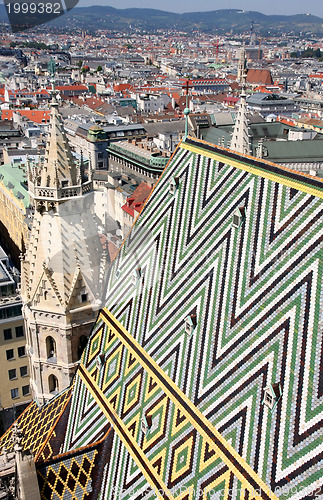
pixel 133 148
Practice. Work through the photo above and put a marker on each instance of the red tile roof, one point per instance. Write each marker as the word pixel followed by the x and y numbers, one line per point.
pixel 35 115
pixel 262 76
pixel 90 102
pixel 119 87
pixel 6 114
pixel 137 200
pixel 72 87
pixel 128 210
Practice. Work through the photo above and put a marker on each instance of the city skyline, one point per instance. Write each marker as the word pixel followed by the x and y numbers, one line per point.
pixel 180 6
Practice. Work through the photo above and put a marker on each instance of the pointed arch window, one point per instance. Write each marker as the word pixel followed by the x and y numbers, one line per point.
pixel 51 349
pixel 53 384
pixel 81 346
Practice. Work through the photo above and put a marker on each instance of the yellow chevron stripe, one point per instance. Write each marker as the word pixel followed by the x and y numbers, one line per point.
pixel 164 381
pixel 124 434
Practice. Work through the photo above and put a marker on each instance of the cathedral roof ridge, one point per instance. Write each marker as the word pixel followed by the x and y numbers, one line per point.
pixel 295 179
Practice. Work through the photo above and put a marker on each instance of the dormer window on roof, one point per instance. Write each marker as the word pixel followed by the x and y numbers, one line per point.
pixel 272 394
pixel 100 361
pixel 190 324
pixel 239 217
pixel 136 276
pixel 146 423
pixel 173 184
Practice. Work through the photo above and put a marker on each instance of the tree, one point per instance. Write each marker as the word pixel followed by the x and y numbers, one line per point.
pixel 79 64
pixel 99 68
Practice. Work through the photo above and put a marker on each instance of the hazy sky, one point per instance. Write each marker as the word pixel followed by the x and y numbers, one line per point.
pixel 314 7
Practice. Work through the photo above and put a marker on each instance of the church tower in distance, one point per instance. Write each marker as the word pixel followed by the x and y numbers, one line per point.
pixel 64 266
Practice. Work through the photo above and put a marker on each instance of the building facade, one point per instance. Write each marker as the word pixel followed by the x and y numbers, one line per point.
pixel 14 205
pixel 93 140
pixel 14 370
pixel 135 157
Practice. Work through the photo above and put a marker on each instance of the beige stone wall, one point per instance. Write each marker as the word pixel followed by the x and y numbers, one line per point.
pixel 57 334
pixel 12 216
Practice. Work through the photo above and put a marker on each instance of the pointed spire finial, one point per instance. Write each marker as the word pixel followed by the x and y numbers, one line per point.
pixel 53 92
pixel 90 170
pixel 240 137
pixel 187 109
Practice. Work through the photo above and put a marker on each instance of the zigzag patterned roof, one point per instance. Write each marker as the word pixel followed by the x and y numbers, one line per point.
pixel 37 423
pixel 255 291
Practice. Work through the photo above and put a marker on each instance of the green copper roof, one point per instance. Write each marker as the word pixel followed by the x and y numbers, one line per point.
pixel 14 178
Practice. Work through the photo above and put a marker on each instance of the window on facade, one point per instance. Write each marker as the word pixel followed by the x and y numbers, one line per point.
pixel 10 312
pixel 12 374
pixel 21 351
pixel 7 334
pixel 19 331
pixel 25 390
pixel 81 346
pixel 51 348
pixel 14 393
pixel 53 384
pixel 84 297
pixel 10 354
pixel 23 371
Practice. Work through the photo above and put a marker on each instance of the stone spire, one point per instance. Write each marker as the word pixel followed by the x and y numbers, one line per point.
pixel 62 268
pixel 59 166
pixel 242 65
pixel 240 138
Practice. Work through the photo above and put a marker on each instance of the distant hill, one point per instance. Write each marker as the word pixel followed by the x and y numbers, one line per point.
pixel 219 21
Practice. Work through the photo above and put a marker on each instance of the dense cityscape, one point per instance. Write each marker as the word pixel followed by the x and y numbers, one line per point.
pixel 161 263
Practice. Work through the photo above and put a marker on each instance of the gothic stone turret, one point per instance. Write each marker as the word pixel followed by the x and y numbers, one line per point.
pixel 63 268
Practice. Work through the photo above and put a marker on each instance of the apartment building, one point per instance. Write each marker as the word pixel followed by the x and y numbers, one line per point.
pixel 14 369
pixel 14 204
